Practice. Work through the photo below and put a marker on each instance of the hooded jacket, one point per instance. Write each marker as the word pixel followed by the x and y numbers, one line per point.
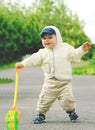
pixel 56 62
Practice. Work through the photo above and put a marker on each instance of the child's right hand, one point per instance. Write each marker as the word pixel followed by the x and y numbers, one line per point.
pixel 19 65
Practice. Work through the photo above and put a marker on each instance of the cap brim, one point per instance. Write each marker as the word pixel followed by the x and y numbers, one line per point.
pixel 47 31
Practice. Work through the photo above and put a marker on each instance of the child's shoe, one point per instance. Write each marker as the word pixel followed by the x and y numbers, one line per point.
pixel 39 119
pixel 73 116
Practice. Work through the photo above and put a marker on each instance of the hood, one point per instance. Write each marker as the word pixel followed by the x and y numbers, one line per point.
pixel 58 35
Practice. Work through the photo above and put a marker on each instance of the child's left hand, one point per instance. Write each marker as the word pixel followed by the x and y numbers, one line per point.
pixel 86 46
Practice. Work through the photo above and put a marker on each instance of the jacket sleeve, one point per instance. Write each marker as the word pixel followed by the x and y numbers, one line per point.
pixel 76 54
pixel 34 60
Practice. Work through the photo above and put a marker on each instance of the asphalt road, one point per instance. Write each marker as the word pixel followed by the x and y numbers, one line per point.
pixel 30 82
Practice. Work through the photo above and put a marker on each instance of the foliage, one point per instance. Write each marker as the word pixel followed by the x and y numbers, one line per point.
pixel 20 27
pixel 92 60
pixel 57 14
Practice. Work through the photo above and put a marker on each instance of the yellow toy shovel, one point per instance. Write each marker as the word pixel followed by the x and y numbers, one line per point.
pixel 13 116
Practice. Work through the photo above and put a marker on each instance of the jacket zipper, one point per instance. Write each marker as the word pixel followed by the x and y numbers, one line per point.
pixel 53 63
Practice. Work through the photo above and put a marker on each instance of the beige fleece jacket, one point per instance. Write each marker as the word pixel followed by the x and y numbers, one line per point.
pixel 56 62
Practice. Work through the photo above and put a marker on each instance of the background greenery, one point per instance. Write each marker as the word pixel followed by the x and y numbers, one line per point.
pixel 20 28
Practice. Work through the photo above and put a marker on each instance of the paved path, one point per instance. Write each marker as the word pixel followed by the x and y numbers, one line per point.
pixel 30 81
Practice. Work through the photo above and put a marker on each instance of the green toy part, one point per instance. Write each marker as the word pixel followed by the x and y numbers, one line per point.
pixel 12 119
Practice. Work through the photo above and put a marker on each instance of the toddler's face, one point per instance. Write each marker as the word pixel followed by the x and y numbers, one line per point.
pixel 49 41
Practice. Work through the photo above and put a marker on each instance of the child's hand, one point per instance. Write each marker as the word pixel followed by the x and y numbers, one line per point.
pixel 19 65
pixel 86 46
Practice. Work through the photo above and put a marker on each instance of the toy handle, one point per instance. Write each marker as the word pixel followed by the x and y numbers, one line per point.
pixel 17 69
pixel 16 88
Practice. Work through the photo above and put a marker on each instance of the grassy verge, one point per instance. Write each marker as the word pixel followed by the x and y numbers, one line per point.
pixel 7 66
pixel 84 70
pixel 5 80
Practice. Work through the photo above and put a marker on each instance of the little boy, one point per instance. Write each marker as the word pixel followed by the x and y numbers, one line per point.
pixel 55 59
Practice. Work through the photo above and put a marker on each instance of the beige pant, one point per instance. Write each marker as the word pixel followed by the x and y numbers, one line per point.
pixel 52 90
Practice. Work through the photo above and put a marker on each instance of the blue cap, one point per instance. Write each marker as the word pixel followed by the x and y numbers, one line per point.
pixel 48 31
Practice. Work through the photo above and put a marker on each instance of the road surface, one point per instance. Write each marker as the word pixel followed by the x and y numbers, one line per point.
pixel 30 83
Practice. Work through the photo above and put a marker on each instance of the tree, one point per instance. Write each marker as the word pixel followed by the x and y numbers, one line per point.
pixel 57 13
pixel 20 27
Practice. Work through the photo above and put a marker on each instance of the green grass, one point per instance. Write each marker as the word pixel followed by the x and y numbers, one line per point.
pixel 84 70
pixel 7 66
pixel 6 80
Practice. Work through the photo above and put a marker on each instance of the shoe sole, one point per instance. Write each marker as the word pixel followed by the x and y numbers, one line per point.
pixel 38 122
pixel 74 120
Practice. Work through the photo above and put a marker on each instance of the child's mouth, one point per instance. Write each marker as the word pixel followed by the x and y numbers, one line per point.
pixel 47 44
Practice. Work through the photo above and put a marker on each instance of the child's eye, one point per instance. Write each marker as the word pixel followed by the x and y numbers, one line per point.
pixel 44 38
pixel 50 37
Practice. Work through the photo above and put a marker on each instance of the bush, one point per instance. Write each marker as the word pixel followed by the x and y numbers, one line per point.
pixel 20 28
pixel 92 61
